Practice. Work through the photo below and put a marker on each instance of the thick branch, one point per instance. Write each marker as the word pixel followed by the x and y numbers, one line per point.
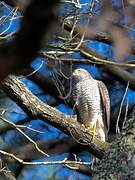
pixel 36 109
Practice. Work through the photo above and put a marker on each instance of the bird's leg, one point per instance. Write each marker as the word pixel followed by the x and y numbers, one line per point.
pixel 93 131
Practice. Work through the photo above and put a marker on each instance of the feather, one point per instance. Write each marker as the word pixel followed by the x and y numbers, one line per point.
pixel 106 103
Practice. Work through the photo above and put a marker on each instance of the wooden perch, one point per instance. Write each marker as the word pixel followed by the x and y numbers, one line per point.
pixel 36 109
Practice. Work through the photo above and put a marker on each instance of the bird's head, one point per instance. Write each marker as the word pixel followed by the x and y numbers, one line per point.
pixel 80 74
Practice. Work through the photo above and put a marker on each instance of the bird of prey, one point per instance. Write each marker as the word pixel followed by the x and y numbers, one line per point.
pixel 91 103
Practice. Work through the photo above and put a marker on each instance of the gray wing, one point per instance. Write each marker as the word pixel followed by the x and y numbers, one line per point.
pixel 105 102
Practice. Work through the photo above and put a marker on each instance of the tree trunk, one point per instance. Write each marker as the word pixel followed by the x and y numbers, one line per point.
pixel 119 161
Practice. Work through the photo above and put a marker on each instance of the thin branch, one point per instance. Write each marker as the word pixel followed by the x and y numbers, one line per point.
pixel 118 118
pixel 54 146
pixel 65 161
pixel 117 72
pixel 45 83
pixel 101 37
pixel 102 60
pixel 26 136
pixel 8 128
pixel 87 52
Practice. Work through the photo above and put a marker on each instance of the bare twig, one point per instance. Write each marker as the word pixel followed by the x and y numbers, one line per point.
pixel 65 161
pixel 26 136
pixel 118 118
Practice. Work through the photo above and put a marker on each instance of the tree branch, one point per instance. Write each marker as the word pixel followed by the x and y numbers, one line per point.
pixel 43 82
pixel 36 109
pixel 54 146
pixel 117 72
pixel 101 37
pixel 8 127
pixel 65 161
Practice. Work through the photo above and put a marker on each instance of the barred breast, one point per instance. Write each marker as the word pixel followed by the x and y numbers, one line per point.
pixel 86 97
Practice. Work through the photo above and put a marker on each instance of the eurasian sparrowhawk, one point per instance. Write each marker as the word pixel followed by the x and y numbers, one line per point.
pixel 91 103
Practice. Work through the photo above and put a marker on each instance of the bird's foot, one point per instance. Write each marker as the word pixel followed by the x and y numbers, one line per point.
pixel 92 131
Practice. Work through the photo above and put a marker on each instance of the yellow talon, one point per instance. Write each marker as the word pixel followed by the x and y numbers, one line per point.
pixel 92 131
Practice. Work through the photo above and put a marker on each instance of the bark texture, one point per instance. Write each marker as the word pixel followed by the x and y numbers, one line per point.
pixel 119 161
